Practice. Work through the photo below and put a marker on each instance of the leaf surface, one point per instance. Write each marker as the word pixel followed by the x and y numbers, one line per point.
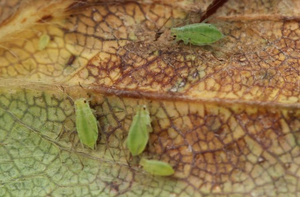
pixel 226 117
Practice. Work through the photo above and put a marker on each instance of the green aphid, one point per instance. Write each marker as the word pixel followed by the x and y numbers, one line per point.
pixel 158 168
pixel 44 41
pixel 140 128
pixel 197 34
pixel 86 123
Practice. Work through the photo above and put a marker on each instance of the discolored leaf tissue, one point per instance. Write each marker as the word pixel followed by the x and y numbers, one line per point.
pixel 225 116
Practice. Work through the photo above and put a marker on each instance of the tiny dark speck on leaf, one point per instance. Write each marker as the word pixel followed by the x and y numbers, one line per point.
pixel 45 19
pixel 71 60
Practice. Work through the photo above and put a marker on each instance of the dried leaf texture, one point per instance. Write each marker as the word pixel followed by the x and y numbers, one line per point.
pixel 225 116
pixel 8 8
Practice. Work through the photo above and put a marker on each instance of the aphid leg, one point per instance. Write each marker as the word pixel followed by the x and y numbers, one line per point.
pixel 98 124
pixel 59 153
pixel 187 21
pixel 158 33
pixel 112 156
pixel 127 161
pixel 186 41
pixel 82 165
pixel 190 44
pixel 82 146
pixel 89 95
pixel 150 146
pixel 175 40
pixel 125 153
pixel 95 147
pixel 61 132
pixel 73 134
pixel 64 91
pixel 106 143
pixel 130 158
pixel 149 128
pixel 107 148
pixel 12 52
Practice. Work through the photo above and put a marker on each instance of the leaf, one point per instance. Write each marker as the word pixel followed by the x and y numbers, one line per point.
pixel 226 117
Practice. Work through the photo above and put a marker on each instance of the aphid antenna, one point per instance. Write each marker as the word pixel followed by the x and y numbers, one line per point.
pixel 179 23
pixel 143 98
pixel 158 33
pixel 65 92
pixel 73 133
pixel 124 152
pixel 80 160
pixel 89 95
pixel 82 165
pixel 62 130
pixel 112 156
pixel 126 158
pixel 78 154
pixel 106 148
pixel 11 51
pixel 108 113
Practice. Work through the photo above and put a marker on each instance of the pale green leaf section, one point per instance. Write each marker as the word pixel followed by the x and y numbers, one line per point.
pixel 41 157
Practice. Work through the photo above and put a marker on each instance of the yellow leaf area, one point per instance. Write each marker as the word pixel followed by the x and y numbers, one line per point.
pixel 226 117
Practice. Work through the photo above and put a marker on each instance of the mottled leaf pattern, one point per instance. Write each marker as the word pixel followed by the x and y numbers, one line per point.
pixel 226 117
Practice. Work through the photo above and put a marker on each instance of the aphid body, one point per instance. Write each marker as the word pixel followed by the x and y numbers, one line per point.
pixel 140 128
pixel 155 167
pixel 44 41
pixel 197 34
pixel 86 123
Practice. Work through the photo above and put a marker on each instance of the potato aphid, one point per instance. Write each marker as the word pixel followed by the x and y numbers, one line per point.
pixel 138 135
pixel 44 41
pixel 158 168
pixel 86 123
pixel 197 34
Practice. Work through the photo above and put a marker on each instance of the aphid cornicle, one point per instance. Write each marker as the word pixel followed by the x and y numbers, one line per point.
pixel 86 123
pixel 197 34
pixel 140 128
pixel 155 167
